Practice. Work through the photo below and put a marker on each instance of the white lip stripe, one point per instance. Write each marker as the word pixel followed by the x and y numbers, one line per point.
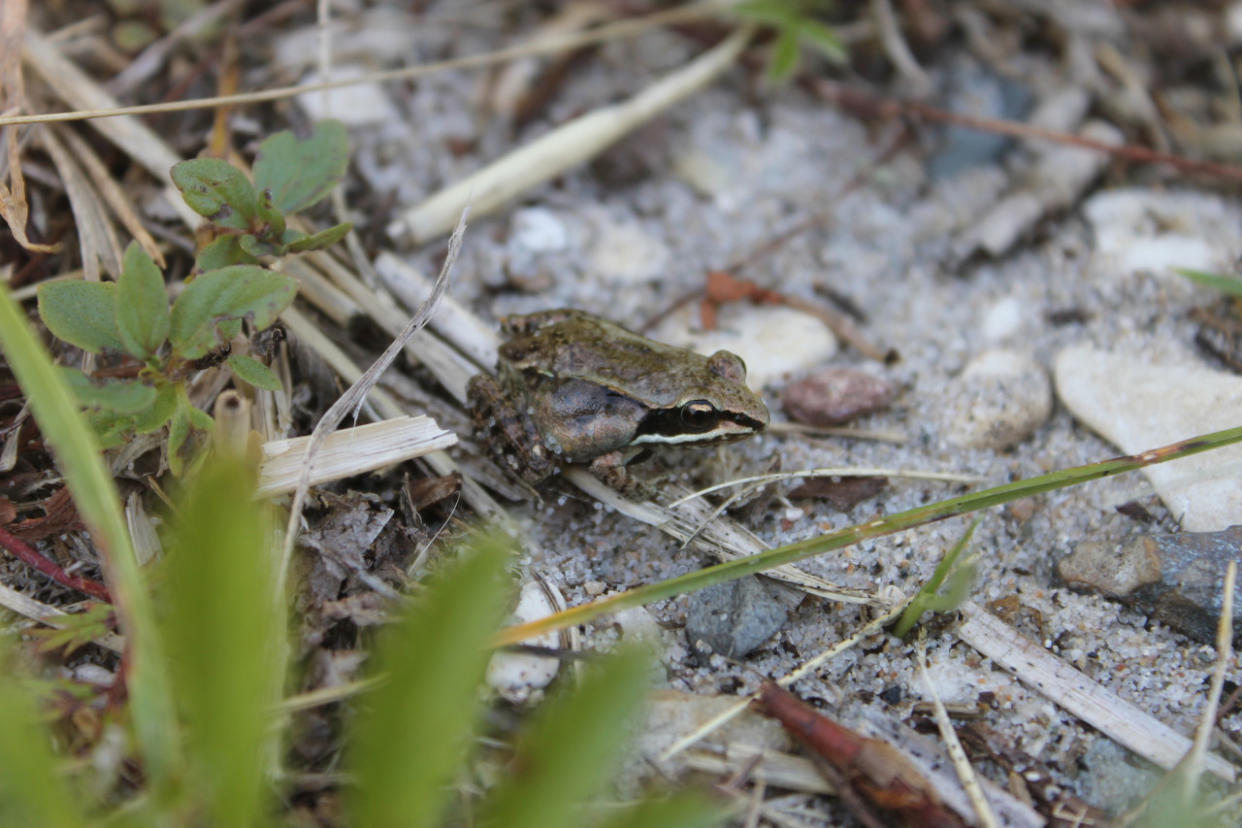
pixel 704 437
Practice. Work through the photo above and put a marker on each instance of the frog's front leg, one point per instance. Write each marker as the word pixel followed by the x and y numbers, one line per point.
pixel 507 432
pixel 610 470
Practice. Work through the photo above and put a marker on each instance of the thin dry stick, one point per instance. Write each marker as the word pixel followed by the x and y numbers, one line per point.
pixel 354 396
pixel 1070 689
pixel 613 31
pixel 843 471
pixel 112 193
pixel 96 235
pixel 860 101
pixel 965 772
pixel 896 49
pixel 568 145
pixel 51 616
pixel 1195 759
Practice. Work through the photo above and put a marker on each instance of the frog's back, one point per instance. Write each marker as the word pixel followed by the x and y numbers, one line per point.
pixel 571 343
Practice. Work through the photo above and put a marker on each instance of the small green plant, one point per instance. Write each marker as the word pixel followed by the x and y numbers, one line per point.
pixel 954 579
pixel 795 26
pixel 133 316
pixel 290 175
pixel 414 731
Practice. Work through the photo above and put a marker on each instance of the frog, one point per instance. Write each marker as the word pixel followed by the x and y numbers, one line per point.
pixel 575 388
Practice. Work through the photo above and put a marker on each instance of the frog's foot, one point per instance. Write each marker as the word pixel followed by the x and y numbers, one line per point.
pixel 511 438
pixel 612 470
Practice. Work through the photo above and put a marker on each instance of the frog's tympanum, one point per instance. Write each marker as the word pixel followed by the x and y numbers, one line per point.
pixel 574 388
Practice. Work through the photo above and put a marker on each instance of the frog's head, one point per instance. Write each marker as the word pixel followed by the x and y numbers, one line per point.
pixel 714 405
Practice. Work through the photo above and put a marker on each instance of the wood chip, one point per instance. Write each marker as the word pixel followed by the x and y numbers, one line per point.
pixel 1094 704
pixel 350 451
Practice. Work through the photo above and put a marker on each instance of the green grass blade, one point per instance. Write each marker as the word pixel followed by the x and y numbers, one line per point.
pixel 1226 284
pixel 226 628
pixel 570 748
pixel 414 731
pixel 850 535
pixel 94 493
pixel 926 597
pixel 32 791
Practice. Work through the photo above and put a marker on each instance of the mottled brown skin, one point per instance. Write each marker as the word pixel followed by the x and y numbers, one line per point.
pixel 572 387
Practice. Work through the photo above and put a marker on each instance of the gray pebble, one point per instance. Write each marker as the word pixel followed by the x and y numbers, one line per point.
pixel 1176 578
pixel 733 619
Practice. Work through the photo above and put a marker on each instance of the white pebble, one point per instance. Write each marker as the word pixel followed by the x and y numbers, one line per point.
pixel 1139 406
pixel 518 677
pixel 773 341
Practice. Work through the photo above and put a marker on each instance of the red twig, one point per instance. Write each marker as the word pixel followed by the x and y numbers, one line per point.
pixel 872 768
pixel 26 553
pixel 863 102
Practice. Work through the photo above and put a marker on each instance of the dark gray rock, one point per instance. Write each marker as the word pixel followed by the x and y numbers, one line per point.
pixel 1176 579
pixel 733 619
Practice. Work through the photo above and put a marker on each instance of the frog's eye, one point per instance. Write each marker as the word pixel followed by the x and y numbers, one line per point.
pixel 699 415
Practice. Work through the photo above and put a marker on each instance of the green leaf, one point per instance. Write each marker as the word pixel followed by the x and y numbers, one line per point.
pixel 222 252
pixel 1226 284
pixel 228 294
pixel 201 419
pixel 120 396
pixel 178 431
pixel 160 410
pixel 250 370
pixel 569 751
pixel 785 57
pixel 270 216
pixel 930 598
pixel 141 304
pixel 111 429
pixel 321 239
pixel 81 313
pixel 301 172
pixel 256 248
pixel 216 189
pixel 823 39
pixel 414 730
pixel 225 624
pixel 75 630
pixel 32 787
pixel 78 455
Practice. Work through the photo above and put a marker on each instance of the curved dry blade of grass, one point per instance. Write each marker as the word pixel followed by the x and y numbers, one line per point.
pixel 94 494
pixel 901 521
pixel 354 396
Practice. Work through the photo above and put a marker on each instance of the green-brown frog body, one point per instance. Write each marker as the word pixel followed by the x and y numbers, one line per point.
pixel 572 387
